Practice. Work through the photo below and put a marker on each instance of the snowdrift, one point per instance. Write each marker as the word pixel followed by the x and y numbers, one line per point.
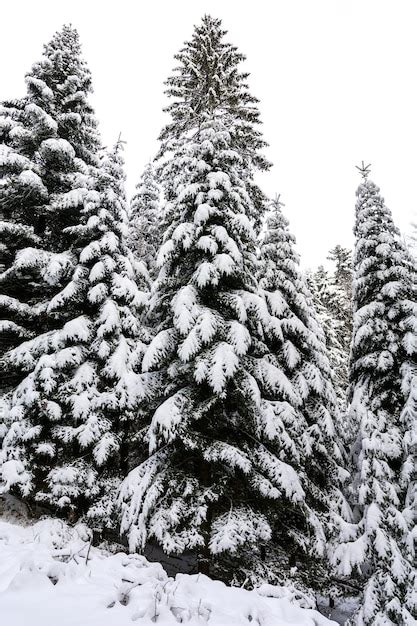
pixel 50 575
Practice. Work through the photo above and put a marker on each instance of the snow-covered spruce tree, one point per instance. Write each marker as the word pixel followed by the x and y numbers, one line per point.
pixel 339 294
pixel 68 421
pixel 304 426
pixel 342 258
pixel 179 496
pixel 341 302
pixel 383 373
pixel 331 304
pixel 49 141
pixel 145 228
pixel 208 79
pixel 204 484
pixel 214 482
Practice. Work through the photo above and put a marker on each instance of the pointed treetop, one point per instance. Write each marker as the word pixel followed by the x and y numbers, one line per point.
pixel 364 170
pixel 274 217
pixel 60 84
pixel 208 78
pixel 276 227
pixel 120 141
pixel 277 203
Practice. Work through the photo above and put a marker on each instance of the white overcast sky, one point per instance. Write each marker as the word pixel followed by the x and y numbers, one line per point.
pixel 336 81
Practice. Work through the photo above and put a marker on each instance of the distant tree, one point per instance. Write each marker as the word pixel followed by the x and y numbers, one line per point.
pixel 332 293
pixel 328 302
pixel 342 257
pixel 383 395
pixel 145 222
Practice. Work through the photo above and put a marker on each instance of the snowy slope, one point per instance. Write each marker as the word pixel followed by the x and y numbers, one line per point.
pixel 49 576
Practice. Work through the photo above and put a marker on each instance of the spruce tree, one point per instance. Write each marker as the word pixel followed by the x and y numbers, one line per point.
pixel 66 443
pixel 306 424
pixel 203 486
pixel 208 477
pixel 342 258
pixel 340 292
pixel 220 471
pixel 333 313
pixel 49 146
pixel 383 406
pixel 145 232
pixel 341 285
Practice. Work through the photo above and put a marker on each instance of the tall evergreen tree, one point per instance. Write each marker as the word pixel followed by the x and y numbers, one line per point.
pixel 204 483
pixel 308 433
pixel 49 145
pixel 383 406
pixel 200 486
pixel 68 420
pixel 145 232
pixel 220 473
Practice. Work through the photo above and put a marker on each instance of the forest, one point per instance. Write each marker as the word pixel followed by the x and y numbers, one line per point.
pixel 172 378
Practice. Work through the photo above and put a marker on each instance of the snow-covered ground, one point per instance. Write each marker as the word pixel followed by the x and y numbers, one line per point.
pixel 50 575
